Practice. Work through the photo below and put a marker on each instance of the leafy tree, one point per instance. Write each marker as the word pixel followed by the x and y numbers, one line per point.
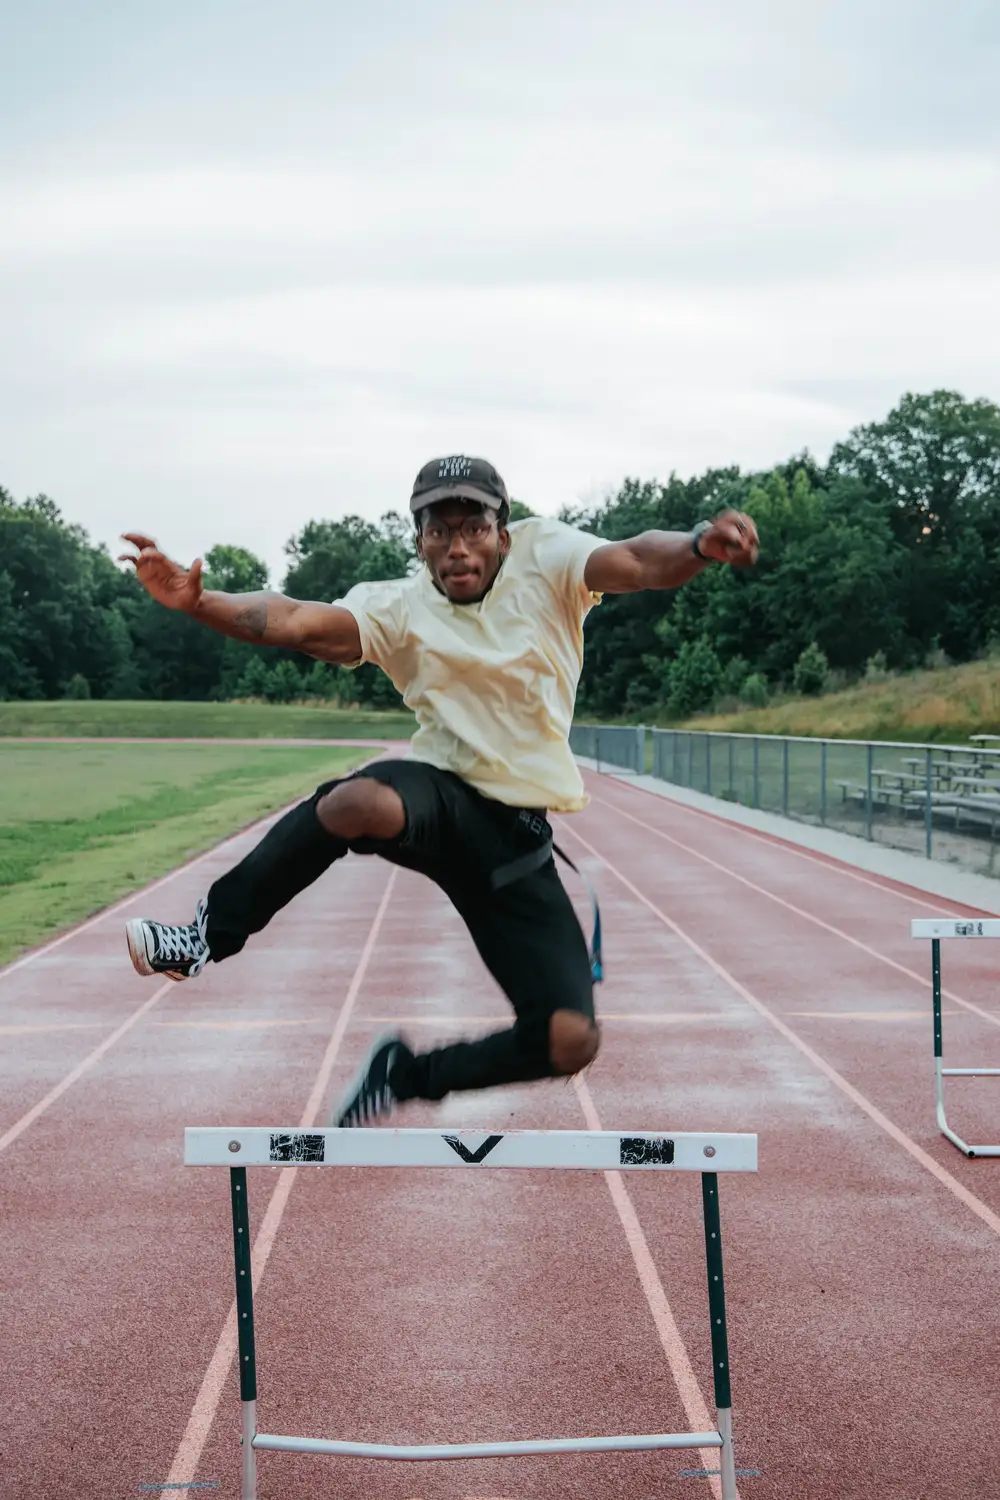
pixel 327 558
pixel 934 462
pixel 884 558
pixel 283 683
pixel 693 679
pixel 234 570
pixel 812 671
pixel 254 681
pixel 754 692
pixel 933 468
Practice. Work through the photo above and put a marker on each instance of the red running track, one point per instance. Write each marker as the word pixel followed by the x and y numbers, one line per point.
pixel 751 986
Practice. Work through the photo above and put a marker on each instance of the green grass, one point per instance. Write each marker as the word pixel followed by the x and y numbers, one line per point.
pixel 945 705
pixel 83 825
pixel 98 718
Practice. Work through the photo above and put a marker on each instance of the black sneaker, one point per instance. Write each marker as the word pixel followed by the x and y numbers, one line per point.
pixel 371 1093
pixel 175 952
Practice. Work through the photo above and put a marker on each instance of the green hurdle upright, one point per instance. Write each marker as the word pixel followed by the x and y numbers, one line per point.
pixel 936 929
pixel 596 1151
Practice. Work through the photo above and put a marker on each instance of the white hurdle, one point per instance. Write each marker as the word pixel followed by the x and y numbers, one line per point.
pixel 595 1151
pixel 936 929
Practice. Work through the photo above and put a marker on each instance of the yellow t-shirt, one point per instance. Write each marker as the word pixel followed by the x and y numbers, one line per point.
pixel 492 684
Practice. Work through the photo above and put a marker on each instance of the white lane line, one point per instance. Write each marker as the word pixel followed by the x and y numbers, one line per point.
pixel 686 1381
pixel 185 1464
pixel 923 1159
pixel 828 862
pixel 21 1125
pixel 807 916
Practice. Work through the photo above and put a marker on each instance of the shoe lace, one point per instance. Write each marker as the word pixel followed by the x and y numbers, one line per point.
pixel 179 943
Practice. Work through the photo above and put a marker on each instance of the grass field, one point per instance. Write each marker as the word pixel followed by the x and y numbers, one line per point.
pixel 82 825
pixel 248 721
pixel 945 705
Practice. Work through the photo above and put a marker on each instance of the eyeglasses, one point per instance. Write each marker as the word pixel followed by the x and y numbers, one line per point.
pixel 474 529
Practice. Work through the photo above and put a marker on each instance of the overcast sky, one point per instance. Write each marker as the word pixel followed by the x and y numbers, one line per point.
pixel 259 262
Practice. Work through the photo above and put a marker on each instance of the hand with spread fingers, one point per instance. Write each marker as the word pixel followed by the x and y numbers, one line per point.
pixel 168 582
pixel 731 538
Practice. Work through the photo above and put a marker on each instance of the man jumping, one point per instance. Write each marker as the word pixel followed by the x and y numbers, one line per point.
pixel 485 644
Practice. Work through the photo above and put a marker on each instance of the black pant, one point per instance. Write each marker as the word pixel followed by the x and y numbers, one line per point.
pixel 527 932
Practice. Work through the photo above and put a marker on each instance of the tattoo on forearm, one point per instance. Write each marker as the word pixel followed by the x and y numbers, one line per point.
pixel 252 618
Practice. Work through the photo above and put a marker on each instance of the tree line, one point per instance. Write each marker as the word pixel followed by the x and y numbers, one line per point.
pixel 882 558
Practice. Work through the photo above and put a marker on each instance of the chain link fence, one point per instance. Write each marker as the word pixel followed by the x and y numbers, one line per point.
pixel 622 746
pixel 940 801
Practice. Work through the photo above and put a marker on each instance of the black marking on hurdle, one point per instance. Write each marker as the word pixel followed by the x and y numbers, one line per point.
pixel 244 1283
pixel 298 1146
pixel 636 1152
pixel 481 1152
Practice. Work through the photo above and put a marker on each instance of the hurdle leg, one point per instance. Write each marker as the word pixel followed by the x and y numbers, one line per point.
pixel 941 1072
pixel 939 1043
pixel 244 1328
pixel 720 1340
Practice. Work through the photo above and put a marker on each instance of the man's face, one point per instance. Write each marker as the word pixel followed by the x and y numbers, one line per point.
pixel 463 548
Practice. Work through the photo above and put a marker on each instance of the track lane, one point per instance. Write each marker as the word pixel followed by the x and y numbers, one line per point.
pixel 863 1352
pixel 833 1215
pixel 422 1306
pixel 110 1304
pixel 867 1002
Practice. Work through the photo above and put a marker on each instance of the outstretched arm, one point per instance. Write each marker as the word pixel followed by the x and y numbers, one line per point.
pixel 326 631
pixel 666 559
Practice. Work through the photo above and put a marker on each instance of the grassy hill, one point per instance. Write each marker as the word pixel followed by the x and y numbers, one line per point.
pixel 946 705
pixel 67 719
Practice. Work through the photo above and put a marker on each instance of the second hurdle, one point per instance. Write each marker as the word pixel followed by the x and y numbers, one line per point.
pixel 938 929
pixel 598 1151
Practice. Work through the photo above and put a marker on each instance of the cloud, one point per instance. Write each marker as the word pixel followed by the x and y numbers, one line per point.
pixel 258 268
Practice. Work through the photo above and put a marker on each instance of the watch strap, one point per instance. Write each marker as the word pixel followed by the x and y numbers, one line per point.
pixel 699 531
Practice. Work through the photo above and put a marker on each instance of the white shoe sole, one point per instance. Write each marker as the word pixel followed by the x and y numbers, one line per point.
pixel 135 934
pixel 138 949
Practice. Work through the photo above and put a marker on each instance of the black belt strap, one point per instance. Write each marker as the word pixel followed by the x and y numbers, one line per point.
pixel 527 864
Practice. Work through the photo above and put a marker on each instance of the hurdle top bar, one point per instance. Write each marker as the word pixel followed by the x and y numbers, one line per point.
pixel 593 1150
pixel 955 927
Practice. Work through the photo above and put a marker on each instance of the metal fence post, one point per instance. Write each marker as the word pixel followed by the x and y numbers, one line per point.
pixel 732 775
pixel 708 765
pixel 822 777
pixel 756 771
pixel 928 808
pixel 868 797
pixel 675 741
pixel 690 780
pixel 784 777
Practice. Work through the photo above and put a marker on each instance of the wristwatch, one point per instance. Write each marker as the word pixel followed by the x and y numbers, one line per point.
pixel 698 531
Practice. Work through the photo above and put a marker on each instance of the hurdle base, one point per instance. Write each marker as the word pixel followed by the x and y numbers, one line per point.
pixel 945 1129
pixel 435 1452
pixel 964 1147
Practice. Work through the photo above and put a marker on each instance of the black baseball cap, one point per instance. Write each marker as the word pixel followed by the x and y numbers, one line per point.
pixel 458 478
